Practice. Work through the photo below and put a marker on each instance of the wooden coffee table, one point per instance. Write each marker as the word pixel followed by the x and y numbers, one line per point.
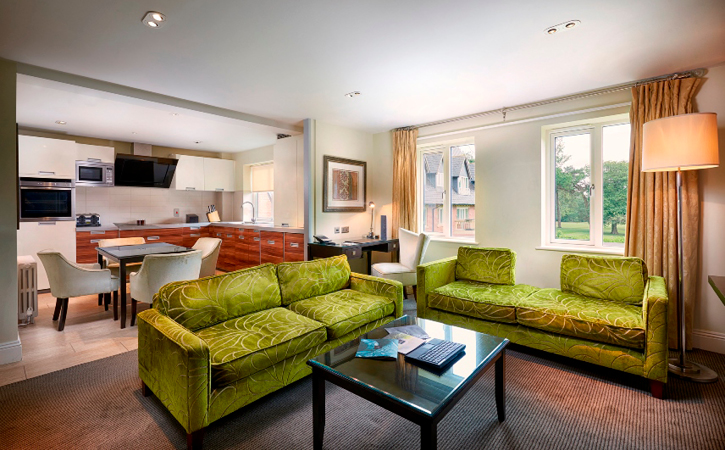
pixel 412 392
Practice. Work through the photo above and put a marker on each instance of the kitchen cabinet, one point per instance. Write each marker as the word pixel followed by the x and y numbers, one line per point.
pixel 100 153
pixel 218 174
pixel 288 181
pixel 272 247
pixel 169 235
pixel 189 173
pixel 294 247
pixel 36 236
pixel 249 247
pixel 192 233
pixel 46 158
pixel 87 241
pixel 228 252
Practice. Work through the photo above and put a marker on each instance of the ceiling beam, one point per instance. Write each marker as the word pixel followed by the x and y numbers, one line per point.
pixel 113 88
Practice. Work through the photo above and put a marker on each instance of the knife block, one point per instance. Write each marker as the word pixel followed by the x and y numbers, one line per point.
pixel 213 216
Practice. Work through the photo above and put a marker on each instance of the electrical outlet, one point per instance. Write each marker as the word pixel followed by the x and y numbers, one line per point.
pixel 176 212
pixel 337 230
pixel 345 229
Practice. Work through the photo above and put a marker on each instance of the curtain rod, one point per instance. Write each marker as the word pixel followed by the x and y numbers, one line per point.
pixel 606 90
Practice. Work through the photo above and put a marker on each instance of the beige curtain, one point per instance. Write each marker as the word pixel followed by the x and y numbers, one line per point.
pixel 404 180
pixel 652 201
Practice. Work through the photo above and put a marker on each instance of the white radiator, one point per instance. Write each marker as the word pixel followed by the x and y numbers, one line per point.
pixel 27 289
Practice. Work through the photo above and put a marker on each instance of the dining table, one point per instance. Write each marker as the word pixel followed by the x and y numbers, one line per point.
pixel 128 254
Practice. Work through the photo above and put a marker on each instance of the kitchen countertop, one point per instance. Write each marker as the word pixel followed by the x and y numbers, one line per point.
pixel 148 226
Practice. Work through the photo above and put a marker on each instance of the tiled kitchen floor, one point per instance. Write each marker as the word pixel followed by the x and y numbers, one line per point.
pixel 90 333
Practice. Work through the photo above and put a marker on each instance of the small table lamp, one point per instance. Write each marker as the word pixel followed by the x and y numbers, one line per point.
pixel 371 235
pixel 677 143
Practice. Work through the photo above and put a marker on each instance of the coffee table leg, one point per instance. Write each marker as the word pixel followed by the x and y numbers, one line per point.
pixel 318 409
pixel 122 289
pixel 429 436
pixel 501 387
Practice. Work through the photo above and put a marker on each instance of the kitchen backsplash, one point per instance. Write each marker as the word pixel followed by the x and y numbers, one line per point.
pixel 123 204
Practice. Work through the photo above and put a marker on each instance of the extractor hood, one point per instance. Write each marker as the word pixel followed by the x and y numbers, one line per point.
pixel 144 171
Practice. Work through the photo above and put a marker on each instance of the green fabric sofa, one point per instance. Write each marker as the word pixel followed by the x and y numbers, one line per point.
pixel 608 311
pixel 210 346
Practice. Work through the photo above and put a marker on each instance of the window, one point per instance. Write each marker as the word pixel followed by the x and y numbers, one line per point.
pixel 586 170
pixel 446 190
pixel 262 186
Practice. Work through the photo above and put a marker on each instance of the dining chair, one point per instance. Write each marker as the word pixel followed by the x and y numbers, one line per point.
pixel 158 270
pixel 210 253
pixel 68 279
pixel 412 251
pixel 117 242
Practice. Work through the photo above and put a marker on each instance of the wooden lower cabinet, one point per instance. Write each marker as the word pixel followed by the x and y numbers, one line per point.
pixel 190 234
pixel 294 247
pixel 272 247
pixel 168 235
pixel 247 247
pixel 227 253
pixel 87 241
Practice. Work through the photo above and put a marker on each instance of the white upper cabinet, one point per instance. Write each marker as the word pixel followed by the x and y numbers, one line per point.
pixel 288 182
pixel 100 153
pixel 44 157
pixel 189 175
pixel 218 174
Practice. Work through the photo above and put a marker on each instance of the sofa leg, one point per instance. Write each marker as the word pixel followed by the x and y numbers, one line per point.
pixel 195 440
pixel 145 391
pixel 657 388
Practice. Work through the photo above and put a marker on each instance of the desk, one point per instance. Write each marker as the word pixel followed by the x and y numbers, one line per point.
pixel 355 251
pixel 131 254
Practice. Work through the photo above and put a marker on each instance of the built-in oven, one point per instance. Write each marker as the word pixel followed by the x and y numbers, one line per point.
pixel 94 173
pixel 46 200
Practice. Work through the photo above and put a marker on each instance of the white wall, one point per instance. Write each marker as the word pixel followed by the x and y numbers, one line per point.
pixel 709 324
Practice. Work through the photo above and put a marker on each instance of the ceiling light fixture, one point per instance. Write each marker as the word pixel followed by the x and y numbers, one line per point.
pixel 154 19
pixel 175 114
pixel 564 26
pixel 352 94
pixel 61 122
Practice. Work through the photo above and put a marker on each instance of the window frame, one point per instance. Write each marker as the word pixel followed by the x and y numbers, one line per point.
pixel 447 217
pixel 593 127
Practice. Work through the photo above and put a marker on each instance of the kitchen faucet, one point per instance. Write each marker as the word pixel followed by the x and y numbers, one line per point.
pixel 253 214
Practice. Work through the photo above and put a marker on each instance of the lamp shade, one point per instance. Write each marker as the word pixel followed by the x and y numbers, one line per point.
pixel 684 142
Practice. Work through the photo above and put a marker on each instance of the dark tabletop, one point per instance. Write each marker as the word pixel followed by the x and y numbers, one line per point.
pixel 128 252
pixel 410 384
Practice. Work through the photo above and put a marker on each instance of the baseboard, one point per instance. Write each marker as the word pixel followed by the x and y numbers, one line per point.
pixel 11 352
pixel 709 340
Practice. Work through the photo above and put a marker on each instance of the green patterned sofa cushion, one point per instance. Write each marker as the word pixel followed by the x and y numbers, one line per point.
pixel 615 278
pixel 583 317
pixel 344 311
pixel 207 301
pixel 301 280
pixel 245 345
pixel 480 300
pixel 487 265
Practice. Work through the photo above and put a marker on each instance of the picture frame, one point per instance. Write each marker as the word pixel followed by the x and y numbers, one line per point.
pixel 344 184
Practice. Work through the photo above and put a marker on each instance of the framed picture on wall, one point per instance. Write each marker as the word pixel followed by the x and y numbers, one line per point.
pixel 343 185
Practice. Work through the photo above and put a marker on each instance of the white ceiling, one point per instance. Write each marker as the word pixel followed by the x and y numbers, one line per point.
pixel 413 60
pixel 88 112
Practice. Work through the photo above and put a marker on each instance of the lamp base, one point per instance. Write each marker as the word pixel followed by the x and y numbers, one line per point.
pixel 692 371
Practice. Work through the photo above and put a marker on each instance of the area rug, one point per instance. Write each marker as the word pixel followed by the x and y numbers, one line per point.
pixel 552 403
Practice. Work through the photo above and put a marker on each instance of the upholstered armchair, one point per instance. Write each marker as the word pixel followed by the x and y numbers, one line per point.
pixel 412 251
pixel 68 279
pixel 158 270
pixel 210 253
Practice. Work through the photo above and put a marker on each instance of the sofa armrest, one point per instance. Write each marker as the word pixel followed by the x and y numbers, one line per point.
pixel 431 276
pixel 379 286
pixel 654 315
pixel 175 364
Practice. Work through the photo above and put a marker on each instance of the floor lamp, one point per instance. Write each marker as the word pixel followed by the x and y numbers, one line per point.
pixel 678 143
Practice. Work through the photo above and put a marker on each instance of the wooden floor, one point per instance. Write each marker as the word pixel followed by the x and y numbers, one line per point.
pixel 90 333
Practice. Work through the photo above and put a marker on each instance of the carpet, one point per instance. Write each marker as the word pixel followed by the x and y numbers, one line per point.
pixel 552 403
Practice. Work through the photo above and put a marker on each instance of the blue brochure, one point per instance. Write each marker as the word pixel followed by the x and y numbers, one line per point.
pixel 378 349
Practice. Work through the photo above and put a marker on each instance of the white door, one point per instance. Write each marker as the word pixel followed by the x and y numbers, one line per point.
pixel 46 158
pixel 189 174
pixel 218 175
pixel 36 236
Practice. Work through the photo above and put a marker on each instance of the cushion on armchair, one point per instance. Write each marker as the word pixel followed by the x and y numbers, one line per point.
pixel 615 278
pixel 344 311
pixel 486 265
pixel 301 280
pixel 201 303
pixel 243 346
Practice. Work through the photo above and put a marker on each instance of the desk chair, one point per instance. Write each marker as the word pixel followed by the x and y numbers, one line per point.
pixel 412 250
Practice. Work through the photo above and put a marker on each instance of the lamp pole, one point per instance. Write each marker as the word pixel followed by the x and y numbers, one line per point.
pixel 371 235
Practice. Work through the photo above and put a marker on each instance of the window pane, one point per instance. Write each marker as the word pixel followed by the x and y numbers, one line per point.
pixel 463 192
pixel 433 190
pixel 571 197
pixel 615 160
pixel 265 205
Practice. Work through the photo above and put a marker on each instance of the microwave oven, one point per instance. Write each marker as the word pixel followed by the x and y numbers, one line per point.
pixel 94 173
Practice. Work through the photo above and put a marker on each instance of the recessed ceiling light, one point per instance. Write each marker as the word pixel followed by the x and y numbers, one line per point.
pixel 564 26
pixel 133 132
pixel 61 122
pixel 352 94
pixel 154 19
pixel 174 114
pixel 197 142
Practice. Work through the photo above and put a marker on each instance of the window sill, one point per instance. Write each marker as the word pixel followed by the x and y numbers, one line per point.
pixel 453 240
pixel 581 249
